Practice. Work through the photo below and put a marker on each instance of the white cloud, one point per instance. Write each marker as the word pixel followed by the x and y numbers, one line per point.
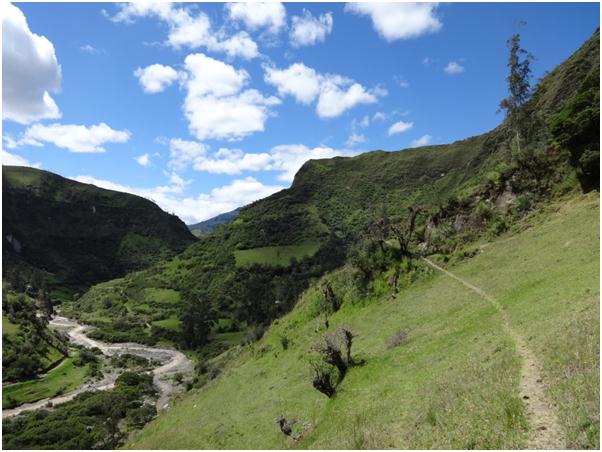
pixel 298 80
pixel 395 21
pixel 400 127
pixel 334 100
pixel 192 209
pixel 285 159
pixel 355 138
pixel 422 141
pixel 379 116
pixel 9 159
pixel 91 49
pixel 189 30
pixel 215 104
pixel 76 138
pixel 271 16
pixel 453 68
pixel 30 71
pixel 143 160
pixel 156 77
pixel 307 30
pixel 335 94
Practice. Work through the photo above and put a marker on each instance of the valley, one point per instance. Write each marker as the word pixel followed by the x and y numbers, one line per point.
pixel 436 296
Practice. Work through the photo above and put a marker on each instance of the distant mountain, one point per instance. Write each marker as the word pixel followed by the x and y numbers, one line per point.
pixel 80 233
pixel 208 226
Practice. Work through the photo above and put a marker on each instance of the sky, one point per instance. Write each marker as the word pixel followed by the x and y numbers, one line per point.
pixel 205 107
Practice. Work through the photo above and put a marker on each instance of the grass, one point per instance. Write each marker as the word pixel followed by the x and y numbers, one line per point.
pixel 8 327
pixel 275 255
pixel 452 384
pixel 550 287
pixel 154 295
pixel 171 323
pixel 62 379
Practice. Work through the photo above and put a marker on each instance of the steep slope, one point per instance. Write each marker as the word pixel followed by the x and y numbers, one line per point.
pixel 79 233
pixel 436 366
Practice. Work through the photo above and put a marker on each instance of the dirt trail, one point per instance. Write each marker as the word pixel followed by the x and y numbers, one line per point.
pixel 546 432
pixel 172 361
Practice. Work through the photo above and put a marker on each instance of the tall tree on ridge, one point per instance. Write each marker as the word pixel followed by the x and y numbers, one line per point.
pixel 519 86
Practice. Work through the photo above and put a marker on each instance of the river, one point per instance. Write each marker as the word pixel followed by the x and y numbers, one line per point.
pixel 172 362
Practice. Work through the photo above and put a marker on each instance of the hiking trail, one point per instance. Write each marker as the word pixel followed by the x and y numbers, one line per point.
pixel 546 432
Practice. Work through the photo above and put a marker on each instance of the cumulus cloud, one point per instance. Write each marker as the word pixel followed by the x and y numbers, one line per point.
pixel 156 77
pixel 30 71
pixel 400 127
pixel 298 80
pixel 422 141
pixel 307 30
pixel 143 160
pixel 76 138
pixel 334 93
pixel 395 21
pixel 285 159
pixel 453 68
pixel 189 30
pixel 9 159
pixel 271 16
pixel 216 105
pixel 192 209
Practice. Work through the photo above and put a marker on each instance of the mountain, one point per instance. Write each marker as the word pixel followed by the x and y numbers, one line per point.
pixel 492 342
pixel 208 226
pixel 438 297
pixel 280 245
pixel 79 233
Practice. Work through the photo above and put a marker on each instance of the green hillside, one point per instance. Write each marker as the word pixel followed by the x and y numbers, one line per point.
pixel 79 233
pixel 465 190
pixel 453 382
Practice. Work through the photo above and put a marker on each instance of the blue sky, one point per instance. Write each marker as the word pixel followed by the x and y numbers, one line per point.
pixel 205 107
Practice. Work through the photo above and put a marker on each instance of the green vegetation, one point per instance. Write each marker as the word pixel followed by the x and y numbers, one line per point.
pixel 80 233
pixel 9 328
pixel 171 323
pixel 28 346
pixel 93 420
pixel 453 382
pixel 63 378
pixel 275 255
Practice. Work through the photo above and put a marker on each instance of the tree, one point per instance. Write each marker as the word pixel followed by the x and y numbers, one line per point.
pixel 197 319
pixel 519 84
pixel 404 231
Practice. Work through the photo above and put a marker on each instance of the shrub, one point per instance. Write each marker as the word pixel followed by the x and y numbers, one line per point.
pixel 322 378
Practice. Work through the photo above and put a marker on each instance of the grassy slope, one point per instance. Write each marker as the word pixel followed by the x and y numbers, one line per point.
pixel 454 384
pixel 63 378
pixel 275 255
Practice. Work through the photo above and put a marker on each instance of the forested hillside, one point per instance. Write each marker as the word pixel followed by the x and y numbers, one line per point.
pixel 78 234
